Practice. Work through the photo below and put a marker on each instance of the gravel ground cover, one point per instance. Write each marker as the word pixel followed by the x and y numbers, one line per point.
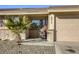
pixel 11 47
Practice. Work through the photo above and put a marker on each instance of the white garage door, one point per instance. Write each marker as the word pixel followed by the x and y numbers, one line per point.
pixel 67 28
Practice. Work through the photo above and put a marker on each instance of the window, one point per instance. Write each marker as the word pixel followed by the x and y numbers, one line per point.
pixel 1 23
pixel 36 22
pixel 16 19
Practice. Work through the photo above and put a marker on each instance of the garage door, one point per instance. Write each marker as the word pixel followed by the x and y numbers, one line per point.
pixel 67 27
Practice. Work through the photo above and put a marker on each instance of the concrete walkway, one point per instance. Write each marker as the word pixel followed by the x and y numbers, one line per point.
pixel 37 41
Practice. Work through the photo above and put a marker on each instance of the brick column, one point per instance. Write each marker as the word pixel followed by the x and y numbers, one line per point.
pixel 50 35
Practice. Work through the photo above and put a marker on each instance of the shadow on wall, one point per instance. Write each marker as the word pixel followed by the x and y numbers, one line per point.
pixel 67 16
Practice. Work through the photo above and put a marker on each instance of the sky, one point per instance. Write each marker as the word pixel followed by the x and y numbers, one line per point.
pixel 23 6
pixel 5 4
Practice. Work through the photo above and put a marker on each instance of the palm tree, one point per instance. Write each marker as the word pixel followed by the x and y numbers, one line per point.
pixel 17 24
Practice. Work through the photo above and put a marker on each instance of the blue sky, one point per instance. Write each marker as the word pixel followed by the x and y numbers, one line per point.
pixel 23 6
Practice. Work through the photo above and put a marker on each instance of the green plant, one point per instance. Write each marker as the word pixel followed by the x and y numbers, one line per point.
pixel 17 24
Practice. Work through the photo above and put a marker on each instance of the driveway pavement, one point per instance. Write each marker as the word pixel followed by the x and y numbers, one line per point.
pixel 67 47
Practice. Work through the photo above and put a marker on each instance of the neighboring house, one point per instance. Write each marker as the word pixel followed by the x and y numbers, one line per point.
pixel 62 21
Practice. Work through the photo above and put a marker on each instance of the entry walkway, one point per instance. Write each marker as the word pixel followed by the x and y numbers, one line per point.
pixel 37 41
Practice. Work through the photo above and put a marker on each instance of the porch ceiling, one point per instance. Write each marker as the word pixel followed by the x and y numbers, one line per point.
pixel 42 16
pixel 32 16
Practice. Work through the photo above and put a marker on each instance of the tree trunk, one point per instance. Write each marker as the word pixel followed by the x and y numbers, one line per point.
pixel 18 37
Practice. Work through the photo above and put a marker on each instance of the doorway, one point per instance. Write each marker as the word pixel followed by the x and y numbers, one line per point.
pixel 37 24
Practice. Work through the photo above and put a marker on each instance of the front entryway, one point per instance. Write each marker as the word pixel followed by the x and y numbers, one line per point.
pixel 34 31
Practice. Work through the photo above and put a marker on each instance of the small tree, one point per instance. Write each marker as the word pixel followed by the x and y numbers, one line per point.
pixel 17 24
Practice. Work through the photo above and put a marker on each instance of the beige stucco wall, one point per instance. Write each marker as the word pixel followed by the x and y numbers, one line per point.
pixel 67 27
pixel 50 35
pixel 6 34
